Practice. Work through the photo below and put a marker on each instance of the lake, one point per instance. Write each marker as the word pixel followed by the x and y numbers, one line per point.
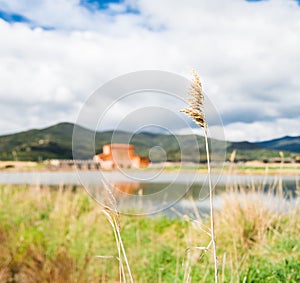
pixel 152 191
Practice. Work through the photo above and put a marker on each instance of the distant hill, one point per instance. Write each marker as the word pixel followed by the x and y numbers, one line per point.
pixel 37 145
pixel 55 142
pixel 287 143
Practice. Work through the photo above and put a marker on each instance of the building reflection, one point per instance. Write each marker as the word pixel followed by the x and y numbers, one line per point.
pixel 130 188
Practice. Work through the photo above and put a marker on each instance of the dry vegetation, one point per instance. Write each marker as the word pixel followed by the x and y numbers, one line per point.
pixel 55 234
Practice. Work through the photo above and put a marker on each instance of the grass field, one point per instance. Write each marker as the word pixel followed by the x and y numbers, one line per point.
pixel 55 235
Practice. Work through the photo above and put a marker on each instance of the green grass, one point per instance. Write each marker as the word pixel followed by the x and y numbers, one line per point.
pixel 54 235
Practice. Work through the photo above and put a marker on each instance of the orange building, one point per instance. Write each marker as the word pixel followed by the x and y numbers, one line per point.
pixel 120 155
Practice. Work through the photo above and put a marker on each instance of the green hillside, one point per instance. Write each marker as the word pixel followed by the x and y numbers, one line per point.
pixel 51 142
pixel 286 143
pixel 55 142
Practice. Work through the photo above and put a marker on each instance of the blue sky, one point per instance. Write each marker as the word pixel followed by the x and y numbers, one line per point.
pixel 53 54
pixel 98 5
pixel 91 5
pixel 13 18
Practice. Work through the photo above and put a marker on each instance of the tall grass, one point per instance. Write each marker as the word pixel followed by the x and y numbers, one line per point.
pixel 258 235
pixel 60 235
pixel 55 235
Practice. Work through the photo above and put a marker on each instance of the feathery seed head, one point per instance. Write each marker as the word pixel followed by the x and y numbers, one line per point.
pixel 195 108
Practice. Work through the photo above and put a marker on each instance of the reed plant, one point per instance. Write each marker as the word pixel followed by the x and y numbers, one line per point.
pixel 110 210
pixel 196 111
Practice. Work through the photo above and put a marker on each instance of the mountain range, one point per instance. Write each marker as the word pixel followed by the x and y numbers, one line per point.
pixel 55 142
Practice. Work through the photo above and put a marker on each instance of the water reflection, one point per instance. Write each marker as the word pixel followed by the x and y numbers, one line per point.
pixel 148 188
pixel 130 188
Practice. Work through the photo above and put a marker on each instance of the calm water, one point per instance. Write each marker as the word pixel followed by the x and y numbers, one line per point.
pixel 57 178
pixel 152 191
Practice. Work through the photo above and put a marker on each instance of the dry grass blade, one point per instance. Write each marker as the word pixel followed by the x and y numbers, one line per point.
pixel 112 215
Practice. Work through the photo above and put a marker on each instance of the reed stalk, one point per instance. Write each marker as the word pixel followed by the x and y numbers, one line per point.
pixel 195 110
pixel 112 214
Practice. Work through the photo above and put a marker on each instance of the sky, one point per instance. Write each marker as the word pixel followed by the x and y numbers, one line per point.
pixel 55 53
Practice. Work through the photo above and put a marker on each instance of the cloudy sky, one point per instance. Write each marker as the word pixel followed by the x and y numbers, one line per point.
pixel 55 53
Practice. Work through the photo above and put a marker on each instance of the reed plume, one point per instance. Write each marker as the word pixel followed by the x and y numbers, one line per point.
pixel 196 102
pixel 195 110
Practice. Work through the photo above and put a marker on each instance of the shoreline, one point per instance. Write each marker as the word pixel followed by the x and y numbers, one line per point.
pixel 247 168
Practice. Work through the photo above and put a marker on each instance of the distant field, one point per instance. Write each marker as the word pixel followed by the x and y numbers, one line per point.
pixel 54 235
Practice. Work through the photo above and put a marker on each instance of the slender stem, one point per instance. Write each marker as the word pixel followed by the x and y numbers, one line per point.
pixel 124 252
pixel 111 220
pixel 212 222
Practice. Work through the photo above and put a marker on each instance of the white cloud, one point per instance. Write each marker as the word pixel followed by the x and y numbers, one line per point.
pixel 262 130
pixel 246 53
